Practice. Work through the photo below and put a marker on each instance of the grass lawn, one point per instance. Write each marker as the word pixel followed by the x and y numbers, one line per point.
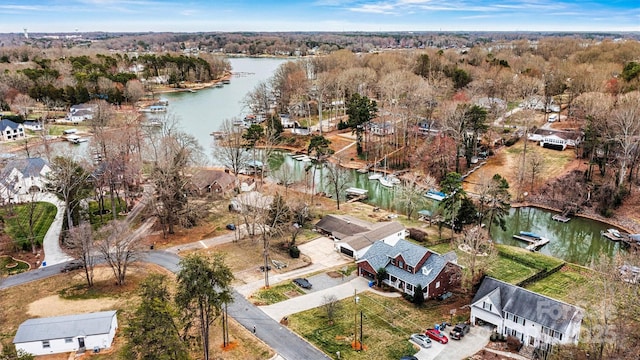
pixel 275 294
pixel 387 324
pixel 94 214
pixel 513 264
pixel 572 283
pixel 17 223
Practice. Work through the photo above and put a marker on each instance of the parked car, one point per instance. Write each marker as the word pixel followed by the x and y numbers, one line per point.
pixel 262 268
pixel 231 227
pixel 459 331
pixel 408 357
pixel 302 282
pixel 553 118
pixel 72 265
pixel 437 335
pixel 421 339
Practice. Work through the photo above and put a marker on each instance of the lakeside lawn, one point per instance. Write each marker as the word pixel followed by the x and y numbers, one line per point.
pixel 387 325
pixel 94 212
pixel 17 222
pixel 573 284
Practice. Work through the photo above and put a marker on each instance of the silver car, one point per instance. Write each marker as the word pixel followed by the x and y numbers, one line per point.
pixel 422 340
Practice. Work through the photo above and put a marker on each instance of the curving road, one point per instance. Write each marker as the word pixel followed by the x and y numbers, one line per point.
pixel 287 344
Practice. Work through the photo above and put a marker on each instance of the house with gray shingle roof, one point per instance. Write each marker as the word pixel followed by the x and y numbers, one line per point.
pixel 10 130
pixel 534 319
pixel 60 334
pixel 409 265
pixel 354 236
pixel 23 176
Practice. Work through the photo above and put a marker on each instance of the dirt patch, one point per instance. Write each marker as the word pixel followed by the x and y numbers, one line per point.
pixel 54 305
pixel 292 294
pixel 335 274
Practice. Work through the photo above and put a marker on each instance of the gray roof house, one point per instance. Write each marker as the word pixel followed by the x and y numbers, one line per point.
pixel 354 237
pixel 534 319
pixel 23 176
pixel 409 265
pixel 10 130
pixel 70 333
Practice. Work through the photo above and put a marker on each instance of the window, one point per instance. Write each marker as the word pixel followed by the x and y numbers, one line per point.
pixel 486 305
pixel 409 287
pixel 400 264
pixel 68 340
pixel 438 284
pixel 45 344
pixel 410 268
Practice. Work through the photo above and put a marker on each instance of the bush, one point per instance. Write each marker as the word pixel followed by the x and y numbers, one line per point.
pixel 342 125
pixel 294 252
pixel 511 141
pixel 513 343
pixel 417 235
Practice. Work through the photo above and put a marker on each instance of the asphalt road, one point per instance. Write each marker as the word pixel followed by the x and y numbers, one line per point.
pixel 287 344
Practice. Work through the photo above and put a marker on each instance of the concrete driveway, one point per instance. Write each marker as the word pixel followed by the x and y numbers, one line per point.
pixel 323 256
pixel 474 341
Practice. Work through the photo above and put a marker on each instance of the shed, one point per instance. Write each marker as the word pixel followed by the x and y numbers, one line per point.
pixel 60 334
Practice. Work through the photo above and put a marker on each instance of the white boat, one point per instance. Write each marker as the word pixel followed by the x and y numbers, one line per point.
pixel 375 176
pixel 386 181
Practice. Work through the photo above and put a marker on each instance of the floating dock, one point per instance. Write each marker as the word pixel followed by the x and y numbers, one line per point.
pixel 560 218
pixel 356 194
pixel 535 241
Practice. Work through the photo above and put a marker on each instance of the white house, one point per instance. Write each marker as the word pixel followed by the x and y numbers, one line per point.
pixel 23 176
pixel 534 319
pixel 60 334
pixel 80 113
pixel 10 130
pixel 32 125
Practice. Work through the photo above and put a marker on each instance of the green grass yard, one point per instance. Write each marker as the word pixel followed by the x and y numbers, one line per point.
pixel 17 222
pixel 387 324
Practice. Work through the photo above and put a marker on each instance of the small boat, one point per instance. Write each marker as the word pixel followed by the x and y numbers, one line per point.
pixel 226 81
pixel 386 182
pixel 375 176
pixel 612 234
pixel 530 234
pixel 219 85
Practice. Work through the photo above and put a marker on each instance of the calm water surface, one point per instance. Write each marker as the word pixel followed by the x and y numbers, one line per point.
pixel 578 241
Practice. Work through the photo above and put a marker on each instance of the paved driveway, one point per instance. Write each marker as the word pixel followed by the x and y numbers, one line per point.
pixel 474 341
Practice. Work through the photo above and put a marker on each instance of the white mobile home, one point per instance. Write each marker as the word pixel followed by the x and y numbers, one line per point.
pixel 61 334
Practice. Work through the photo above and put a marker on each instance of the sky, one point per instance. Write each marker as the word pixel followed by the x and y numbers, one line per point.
pixel 51 16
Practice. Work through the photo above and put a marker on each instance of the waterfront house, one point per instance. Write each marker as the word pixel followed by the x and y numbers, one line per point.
pixel 210 181
pixel 340 226
pixel 32 125
pixel 534 319
pixel 70 333
pixel 10 130
pixel 408 265
pixel 22 177
pixel 79 113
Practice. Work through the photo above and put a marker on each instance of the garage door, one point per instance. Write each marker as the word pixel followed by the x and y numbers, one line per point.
pixel 346 251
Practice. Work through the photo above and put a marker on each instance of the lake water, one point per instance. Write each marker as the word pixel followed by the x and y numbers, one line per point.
pixel 204 111
pixel 578 241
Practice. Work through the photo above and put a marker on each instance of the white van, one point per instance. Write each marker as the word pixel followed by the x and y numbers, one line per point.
pixel 553 118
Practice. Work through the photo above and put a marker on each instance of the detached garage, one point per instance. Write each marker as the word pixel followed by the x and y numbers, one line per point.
pixel 69 333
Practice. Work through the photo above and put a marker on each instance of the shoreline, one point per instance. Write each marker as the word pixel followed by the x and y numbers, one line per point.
pixel 582 215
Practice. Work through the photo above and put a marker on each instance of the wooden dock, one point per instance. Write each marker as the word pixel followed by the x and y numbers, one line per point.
pixel 535 242
pixel 561 218
pixel 356 194
pixel 535 245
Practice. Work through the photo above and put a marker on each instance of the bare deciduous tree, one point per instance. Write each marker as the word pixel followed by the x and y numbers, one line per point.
pixel 81 245
pixel 120 246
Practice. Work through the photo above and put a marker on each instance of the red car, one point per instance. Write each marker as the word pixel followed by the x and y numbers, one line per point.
pixel 437 335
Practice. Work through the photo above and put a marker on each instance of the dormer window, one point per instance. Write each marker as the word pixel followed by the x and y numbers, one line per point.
pixel 400 264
